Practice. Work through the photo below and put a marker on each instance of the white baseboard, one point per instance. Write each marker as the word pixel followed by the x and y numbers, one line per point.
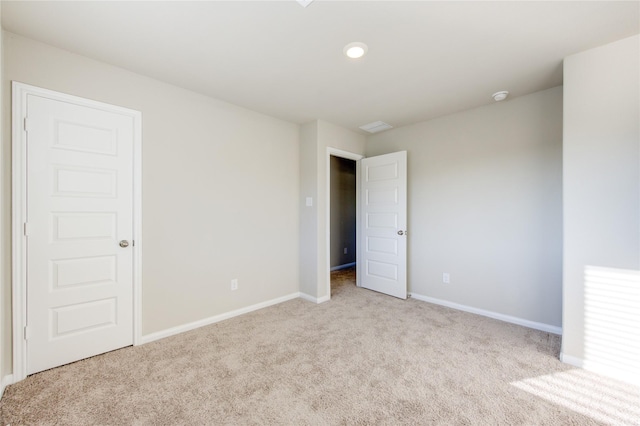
pixel 506 318
pixel 572 360
pixel 324 299
pixel 605 370
pixel 211 320
pixel 345 266
pixel 6 381
pixel 312 299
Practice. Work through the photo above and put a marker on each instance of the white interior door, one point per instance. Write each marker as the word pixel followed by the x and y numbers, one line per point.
pixel 79 209
pixel 382 263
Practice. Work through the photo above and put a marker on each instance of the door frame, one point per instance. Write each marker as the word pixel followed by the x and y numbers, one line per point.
pixel 349 156
pixel 20 91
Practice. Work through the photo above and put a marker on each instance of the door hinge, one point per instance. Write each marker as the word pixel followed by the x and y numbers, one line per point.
pixel 26 229
pixel 27 333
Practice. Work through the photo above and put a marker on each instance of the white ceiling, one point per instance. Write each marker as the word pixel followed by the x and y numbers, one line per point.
pixel 425 59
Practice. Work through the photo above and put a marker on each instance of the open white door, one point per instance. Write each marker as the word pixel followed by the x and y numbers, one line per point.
pixel 79 231
pixel 382 242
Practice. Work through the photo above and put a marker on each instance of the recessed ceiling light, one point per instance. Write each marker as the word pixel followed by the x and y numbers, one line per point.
pixel 500 96
pixel 355 50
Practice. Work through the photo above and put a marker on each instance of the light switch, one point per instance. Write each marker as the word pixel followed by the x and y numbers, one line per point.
pixel 309 201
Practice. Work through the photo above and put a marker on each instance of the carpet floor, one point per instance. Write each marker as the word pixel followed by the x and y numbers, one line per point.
pixel 361 358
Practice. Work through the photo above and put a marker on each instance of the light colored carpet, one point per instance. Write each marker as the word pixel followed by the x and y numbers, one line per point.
pixel 362 358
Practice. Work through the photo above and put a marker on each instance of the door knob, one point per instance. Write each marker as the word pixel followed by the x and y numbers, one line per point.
pixel 124 243
pixel 401 232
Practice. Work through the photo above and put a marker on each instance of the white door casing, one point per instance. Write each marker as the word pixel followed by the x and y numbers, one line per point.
pixel 77 288
pixel 382 241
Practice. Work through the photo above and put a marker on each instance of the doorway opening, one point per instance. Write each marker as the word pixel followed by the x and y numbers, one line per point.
pixel 342 222
pixel 381 198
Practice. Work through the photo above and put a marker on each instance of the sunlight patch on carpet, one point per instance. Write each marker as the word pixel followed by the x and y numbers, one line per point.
pixel 606 401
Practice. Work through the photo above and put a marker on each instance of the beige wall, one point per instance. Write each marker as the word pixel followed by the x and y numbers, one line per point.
pixel 485 205
pixel 220 188
pixel 5 318
pixel 315 138
pixel 309 214
pixel 601 178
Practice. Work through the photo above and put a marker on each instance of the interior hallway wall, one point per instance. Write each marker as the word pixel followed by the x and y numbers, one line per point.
pixel 5 238
pixel 315 138
pixel 343 211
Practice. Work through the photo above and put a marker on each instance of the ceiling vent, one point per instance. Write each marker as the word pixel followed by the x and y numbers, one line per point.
pixel 376 126
pixel 304 3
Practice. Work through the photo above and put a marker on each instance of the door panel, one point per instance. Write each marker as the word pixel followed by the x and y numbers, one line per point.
pixel 383 253
pixel 79 206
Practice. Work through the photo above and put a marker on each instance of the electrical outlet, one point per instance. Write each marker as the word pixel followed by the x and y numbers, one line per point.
pixel 445 278
pixel 234 284
pixel 345 250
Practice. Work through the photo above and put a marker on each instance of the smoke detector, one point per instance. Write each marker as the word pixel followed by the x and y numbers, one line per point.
pixel 500 96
